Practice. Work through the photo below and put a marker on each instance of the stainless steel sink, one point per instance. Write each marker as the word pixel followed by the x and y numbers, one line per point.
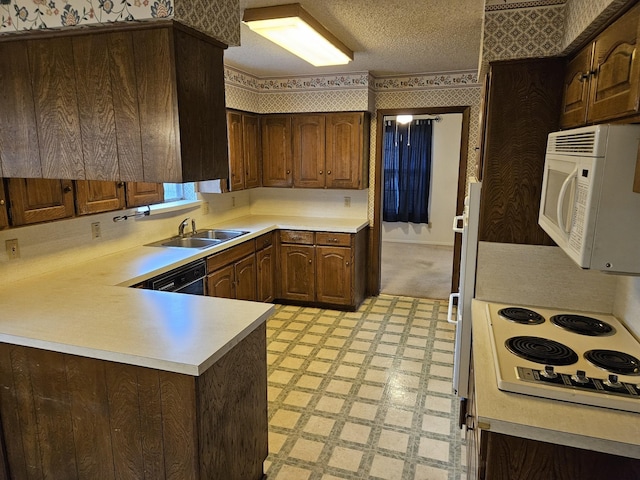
pixel 218 234
pixel 202 239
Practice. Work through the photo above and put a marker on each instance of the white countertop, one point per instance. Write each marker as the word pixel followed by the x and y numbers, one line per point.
pixel 86 310
pixel 564 423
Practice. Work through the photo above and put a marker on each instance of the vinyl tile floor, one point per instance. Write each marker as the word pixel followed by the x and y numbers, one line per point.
pixel 363 395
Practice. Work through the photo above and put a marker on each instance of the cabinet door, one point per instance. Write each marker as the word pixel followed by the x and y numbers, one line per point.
pixel 35 200
pixel 144 193
pixel 19 153
pixel 221 283
pixel 615 83
pixel 252 150
pixel 266 271
pixel 298 272
pixel 94 196
pixel 576 89
pixel 245 277
pixel 4 217
pixel 334 274
pixel 56 107
pixel 344 150
pixel 276 151
pixel 155 83
pixel 523 104
pixel 308 151
pixel 236 151
pixel 95 106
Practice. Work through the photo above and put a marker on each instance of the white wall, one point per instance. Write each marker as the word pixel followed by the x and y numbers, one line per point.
pixel 309 202
pixel 444 185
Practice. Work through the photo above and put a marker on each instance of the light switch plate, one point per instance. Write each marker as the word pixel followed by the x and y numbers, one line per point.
pixel 13 249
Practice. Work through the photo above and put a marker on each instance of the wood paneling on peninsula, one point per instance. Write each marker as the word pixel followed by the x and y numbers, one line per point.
pixel 71 417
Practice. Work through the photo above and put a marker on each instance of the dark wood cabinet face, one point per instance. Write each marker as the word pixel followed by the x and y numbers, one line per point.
pixel 35 200
pixel 94 196
pixel 309 151
pixel 251 142
pixel 276 151
pixel 576 89
pixel 139 194
pixel 344 158
pixel 265 264
pixel 298 272
pixel 236 151
pixel 221 283
pixel 334 275
pixel 245 278
pixel 4 217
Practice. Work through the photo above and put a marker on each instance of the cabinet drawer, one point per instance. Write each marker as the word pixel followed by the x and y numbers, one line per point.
pixel 328 238
pixel 296 236
pixel 263 241
pixel 231 255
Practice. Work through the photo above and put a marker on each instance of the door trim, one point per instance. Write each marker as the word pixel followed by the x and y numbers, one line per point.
pixel 375 237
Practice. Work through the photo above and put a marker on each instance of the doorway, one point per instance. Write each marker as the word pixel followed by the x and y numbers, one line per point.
pixel 376 237
pixel 421 157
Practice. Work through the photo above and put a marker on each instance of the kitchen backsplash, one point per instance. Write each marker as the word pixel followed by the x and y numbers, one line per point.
pixel 217 18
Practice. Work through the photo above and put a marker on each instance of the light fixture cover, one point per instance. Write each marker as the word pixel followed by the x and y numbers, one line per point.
pixel 294 29
pixel 404 119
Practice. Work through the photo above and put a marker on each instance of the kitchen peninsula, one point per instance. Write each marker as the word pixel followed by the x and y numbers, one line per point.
pixel 104 381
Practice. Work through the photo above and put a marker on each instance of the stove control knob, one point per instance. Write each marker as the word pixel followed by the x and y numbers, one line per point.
pixel 548 372
pixel 580 377
pixel 612 382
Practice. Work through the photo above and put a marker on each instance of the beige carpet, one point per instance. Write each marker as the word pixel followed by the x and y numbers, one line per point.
pixel 416 270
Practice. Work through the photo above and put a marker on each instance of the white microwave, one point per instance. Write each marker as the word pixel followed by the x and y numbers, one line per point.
pixel 588 206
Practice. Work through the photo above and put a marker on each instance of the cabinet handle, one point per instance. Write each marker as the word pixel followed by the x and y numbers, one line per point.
pixel 328 172
pixel 288 172
pixel 320 172
pixel 309 261
pixel 66 189
pixel 120 184
pixel 347 264
pixel 583 77
pixel 1 201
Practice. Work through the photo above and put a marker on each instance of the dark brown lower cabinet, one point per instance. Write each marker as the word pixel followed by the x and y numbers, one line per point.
pixel 322 268
pixel 505 457
pixel 265 265
pixel 71 417
pixel 232 273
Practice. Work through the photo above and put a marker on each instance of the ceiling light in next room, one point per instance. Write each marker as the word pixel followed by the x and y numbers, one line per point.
pixel 404 119
pixel 294 29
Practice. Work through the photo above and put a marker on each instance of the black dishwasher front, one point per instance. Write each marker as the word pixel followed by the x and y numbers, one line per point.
pixel 187 279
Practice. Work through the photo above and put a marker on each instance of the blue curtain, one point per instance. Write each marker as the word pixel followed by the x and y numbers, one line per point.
pixel 407 171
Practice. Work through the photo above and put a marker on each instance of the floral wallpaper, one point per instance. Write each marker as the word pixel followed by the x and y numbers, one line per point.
pixel 218 18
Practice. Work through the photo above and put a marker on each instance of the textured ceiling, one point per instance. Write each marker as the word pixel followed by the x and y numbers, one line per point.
pixel 389 37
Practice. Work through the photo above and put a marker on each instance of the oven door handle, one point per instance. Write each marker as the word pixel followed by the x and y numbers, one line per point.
pixel 450 309
pixel 573 175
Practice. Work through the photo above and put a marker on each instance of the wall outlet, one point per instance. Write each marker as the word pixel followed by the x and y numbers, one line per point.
pixel 13 249
pixel 95 230
pixel 347 201
pixel 205 208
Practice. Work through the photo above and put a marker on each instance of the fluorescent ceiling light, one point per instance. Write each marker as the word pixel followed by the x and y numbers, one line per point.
pixel 291 27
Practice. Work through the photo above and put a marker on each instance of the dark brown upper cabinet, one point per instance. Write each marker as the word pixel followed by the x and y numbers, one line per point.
pixel 602 81
pixel 4 217
pixel 127 102
pixel 244 150
pixel 35 200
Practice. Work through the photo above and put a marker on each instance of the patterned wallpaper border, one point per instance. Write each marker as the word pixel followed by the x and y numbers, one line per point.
pixel 357 81
pixel 526 4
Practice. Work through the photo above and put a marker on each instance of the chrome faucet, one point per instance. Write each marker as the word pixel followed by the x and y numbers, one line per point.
pixel 182 226
pixel 193 226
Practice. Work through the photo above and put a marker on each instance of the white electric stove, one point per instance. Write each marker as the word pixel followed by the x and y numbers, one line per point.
pixel 572 356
